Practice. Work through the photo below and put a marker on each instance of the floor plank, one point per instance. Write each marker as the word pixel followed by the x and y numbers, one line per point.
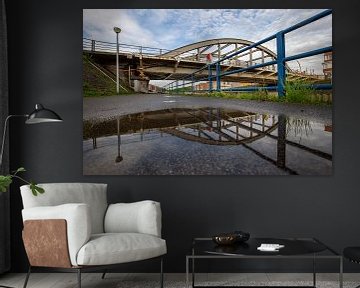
pixel 118 280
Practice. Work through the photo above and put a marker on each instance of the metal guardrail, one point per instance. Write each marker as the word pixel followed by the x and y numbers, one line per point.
pixel 102 46
pixel 92 45
pixel 279 62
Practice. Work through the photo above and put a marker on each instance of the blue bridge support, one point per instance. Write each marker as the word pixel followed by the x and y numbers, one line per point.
pixel 280 62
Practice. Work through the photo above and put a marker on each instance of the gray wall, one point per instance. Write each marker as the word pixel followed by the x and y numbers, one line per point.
pixel 45 48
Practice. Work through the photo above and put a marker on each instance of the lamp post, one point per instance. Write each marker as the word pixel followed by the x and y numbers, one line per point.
pixel 117 30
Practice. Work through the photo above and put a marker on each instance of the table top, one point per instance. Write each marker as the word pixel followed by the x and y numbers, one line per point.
pixel 292 247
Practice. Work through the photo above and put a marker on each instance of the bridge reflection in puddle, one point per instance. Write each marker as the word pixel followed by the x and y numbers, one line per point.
pixel 206 141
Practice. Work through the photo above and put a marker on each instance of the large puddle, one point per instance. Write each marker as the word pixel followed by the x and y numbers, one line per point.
pixel 206 141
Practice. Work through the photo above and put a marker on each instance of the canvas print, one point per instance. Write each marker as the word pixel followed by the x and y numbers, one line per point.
pixel 207 92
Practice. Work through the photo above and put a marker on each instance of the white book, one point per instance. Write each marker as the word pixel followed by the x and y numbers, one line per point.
pixel 270 247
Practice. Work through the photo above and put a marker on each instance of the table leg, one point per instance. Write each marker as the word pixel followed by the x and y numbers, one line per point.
pixel 187 272
pixel 193 272
pixel 314 271
pixel 341 273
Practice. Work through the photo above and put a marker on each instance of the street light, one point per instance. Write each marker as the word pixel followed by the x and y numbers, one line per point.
pixel 117 30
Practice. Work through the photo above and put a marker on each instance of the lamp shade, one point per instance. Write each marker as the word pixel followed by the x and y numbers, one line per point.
pixel 42 115
pixel 117 29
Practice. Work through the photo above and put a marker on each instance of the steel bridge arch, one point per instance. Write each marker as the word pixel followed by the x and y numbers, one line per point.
pixel 221 44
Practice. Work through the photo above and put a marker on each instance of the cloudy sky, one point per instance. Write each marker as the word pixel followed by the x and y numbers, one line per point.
pixel 173 28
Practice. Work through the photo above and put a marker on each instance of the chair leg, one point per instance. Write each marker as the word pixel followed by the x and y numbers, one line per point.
pixel 27 277
pixel 79 277
pixel 103 275
pixel 161 273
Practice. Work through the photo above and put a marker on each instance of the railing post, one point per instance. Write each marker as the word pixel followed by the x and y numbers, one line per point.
pixel 92 45
pixel 280 47
pixel 192 82
pixel 210 78
pixel 218 82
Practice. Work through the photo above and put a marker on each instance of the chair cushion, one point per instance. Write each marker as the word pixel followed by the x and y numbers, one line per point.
pixel 137 217
pixel 352 253
pixel 92 194
pixel 113 248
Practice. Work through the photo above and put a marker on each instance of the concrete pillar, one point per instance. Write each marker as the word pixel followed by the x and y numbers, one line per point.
pixel 141 86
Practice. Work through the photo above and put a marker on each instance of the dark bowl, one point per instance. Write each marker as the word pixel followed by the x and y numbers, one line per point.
pixel 226 239
pixel 241 236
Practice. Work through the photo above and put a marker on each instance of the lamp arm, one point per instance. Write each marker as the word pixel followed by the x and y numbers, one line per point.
pixel 4 134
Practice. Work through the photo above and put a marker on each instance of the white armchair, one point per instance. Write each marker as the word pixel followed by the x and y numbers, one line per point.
pixel 72 228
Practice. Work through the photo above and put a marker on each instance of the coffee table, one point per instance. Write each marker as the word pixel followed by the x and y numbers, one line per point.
pixel 294 248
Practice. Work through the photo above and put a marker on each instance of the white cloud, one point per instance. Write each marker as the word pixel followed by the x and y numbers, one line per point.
pixel 99 23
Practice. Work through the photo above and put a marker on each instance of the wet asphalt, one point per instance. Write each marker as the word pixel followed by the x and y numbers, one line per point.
pixel 102 108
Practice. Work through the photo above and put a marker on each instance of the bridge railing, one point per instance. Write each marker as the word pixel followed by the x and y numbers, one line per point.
pixel 109 47
pixel 215 73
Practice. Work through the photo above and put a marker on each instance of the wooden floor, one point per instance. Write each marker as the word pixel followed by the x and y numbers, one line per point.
pixel 119 280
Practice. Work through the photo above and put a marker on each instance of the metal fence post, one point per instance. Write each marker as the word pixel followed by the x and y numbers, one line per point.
pixel 192 82
pixel 218 82
pixel 280 46
pixel 92 45
pixel 210 78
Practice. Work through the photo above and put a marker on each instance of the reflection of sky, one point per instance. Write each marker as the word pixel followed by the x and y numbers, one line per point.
pixel 315 137
pixel 157 152
pixel 169 155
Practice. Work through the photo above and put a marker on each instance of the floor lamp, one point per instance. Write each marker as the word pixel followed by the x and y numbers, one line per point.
pixel 39 115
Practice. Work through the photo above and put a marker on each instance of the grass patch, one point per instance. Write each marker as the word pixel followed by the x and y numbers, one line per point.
pixel 96 84
pixel 260 95
pixel 302 92
pixel 296 92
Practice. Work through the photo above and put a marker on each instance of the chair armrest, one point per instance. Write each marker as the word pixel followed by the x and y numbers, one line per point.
pixel 78 223
pixel 138 217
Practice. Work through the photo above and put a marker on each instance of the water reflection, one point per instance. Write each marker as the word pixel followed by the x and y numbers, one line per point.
pixel 278 141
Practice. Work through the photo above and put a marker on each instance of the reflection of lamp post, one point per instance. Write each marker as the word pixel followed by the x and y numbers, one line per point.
pixel 281 143
pixel 119 158
pixel 117 30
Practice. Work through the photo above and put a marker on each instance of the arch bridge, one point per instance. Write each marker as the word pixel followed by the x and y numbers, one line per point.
pixel 139 62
